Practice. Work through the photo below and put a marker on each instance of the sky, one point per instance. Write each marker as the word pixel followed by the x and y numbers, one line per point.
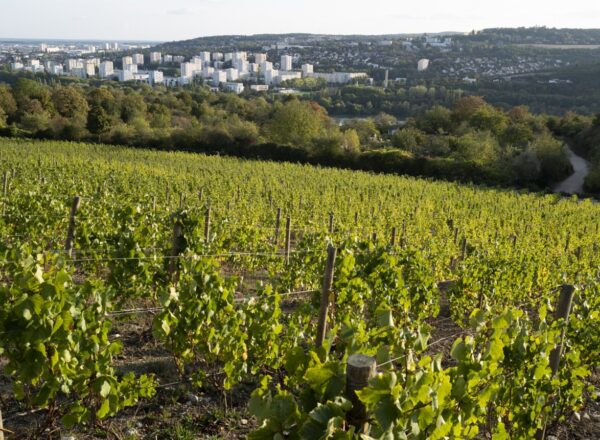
pixel 170 20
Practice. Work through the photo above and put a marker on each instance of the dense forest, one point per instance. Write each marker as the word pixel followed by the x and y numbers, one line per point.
pixel 469 141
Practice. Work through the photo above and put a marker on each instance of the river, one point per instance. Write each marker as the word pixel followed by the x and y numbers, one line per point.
pixel 574 183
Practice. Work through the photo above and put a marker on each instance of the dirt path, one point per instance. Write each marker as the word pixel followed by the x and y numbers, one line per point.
pixel 574 183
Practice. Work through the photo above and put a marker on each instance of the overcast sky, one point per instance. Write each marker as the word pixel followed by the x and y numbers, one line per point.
pixel 183 19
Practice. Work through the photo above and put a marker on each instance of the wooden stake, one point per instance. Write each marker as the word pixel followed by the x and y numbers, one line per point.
pixel 288 237
pixel 181 199
pixel 277 223
pixel 563 309
pixel 177 248
pixel 200 194
pixel 327 282
pixel 359 370
pixel 5 185
pixel 71 230
pixel 331 222
pixel 1 427
pixel 207 225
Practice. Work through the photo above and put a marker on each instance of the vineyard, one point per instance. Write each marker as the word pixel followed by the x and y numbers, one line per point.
pixel 169 295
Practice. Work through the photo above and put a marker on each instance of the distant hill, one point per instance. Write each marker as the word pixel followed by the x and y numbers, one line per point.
pixel 536 35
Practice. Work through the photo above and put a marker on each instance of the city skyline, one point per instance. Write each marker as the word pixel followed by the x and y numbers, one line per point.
pixel 152 20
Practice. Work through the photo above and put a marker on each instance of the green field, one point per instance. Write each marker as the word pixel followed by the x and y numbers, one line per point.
pixel 184 311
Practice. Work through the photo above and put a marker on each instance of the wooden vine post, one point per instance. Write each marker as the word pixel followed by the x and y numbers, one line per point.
pixel 331 223
pixel 177 246
pixel 288 238
pixel 325 292
pixel 5 184
pixel 393 237
pixel 71 229
pixel 359 370
pixel 5 193
pixel 1 426
pixel 563 309
pixel 207 225
pixel 277 223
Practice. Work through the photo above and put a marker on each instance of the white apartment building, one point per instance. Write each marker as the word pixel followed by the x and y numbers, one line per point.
pixel 286 62
pixel 155 77
pixel 188 70
pixel 259 88
pixel 242 66
pixel 198 62
pixel 284 76
pixel 266 66
pixel 138 58
pixel 423 64
pixel 131 68
pixel 127 60
pixel 208 72
pixel 271 76
pixel 232 74
pixel 90 68
pixel 74 64
pixel 205 57
pixel 340 77
pixel 125 75
pixel 217 56
pixel 239 56
pixel 219 76
pixel 260 58
pixel 307 69
pixel 155 57
pixel 106 69
pixel 234 87
pixel 168 58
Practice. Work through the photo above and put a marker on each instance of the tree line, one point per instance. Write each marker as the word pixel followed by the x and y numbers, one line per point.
pixel 469 140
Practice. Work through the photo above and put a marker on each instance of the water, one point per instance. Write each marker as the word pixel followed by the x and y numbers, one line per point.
pixel 574 183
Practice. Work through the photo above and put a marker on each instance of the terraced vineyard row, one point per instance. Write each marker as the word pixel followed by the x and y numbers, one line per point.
pixel 227 257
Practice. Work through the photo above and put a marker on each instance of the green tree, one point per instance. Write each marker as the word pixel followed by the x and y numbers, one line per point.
pixel 295 123
pixel 98 120
pixel 479 147
pixel 132 107
pixel 8 105
pixel 26 90
pixel 103 97
pixel 466 107
pixel 487 118
pixel 551 153
pixel 70 103
pixel 437 120
pixel 409 139
pixel 350 141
